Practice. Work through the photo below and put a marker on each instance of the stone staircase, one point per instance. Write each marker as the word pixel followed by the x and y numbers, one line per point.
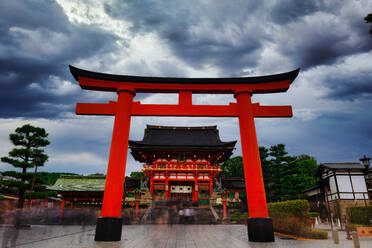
pixel 146 198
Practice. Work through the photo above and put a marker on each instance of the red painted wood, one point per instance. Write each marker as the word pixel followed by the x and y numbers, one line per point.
pixel 61 211
pixel 251 158
pixel 185 98
pixel 258 88
pixel 184 108
pixel 113 194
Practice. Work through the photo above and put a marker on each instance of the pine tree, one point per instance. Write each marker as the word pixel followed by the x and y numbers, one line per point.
pixel 27 154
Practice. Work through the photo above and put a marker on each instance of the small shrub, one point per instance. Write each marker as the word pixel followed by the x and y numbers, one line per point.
pixel 296 208
pixel 313 233
pixel 40 194
pixel 292 217
pixel 236 216
pixel 244 216
pixel 361 215
pixel 314 214
pixel 295 227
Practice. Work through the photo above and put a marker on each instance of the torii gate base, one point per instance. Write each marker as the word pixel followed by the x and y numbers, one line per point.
pixel 109 225
pixel 108 229
pixel 260 230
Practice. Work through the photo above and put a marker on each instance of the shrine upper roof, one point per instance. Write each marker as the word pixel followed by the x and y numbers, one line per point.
pixel 172 136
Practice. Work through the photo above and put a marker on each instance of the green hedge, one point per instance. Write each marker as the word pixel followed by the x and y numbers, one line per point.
pixel 40 194
pixel 295 227
pixel 314 214
pixel 361 215
pixel 296 208
pixel 292 217
pixel 236 216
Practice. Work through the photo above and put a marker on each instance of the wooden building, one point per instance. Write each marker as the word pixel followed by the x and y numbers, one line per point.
pixel 341 185
pixel 181 162
pixel 87 190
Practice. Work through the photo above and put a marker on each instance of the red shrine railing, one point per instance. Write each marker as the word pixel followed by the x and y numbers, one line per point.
pixel 189 166
pixel 181 166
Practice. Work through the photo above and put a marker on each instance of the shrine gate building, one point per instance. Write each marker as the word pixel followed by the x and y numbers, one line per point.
pixel 181 162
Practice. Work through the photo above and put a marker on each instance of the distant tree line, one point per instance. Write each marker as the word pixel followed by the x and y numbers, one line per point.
pixel 285 177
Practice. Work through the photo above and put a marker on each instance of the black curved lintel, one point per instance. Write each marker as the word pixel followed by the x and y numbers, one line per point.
pixel 291 76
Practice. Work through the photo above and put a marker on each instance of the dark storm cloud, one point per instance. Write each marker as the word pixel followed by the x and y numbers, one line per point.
pixel 290 10
pixel 315 33
pixel 357 85
pixel 342 136
pixel 37 41
pixel 224 35
pixel 232 35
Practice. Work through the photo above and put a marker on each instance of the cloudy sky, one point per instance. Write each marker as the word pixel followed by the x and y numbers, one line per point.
pixel 328 40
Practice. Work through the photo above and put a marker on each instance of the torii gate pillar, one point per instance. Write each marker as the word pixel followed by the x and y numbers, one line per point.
pixel 260 226
pixel 109 225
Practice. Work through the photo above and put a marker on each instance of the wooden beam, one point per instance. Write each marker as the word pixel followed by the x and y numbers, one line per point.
pixel 96 108
pixel 183 109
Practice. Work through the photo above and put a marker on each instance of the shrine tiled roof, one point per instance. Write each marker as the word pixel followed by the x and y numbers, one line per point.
pixel 88 183
pixel 348 166
pixel 79 183
pixel 170 136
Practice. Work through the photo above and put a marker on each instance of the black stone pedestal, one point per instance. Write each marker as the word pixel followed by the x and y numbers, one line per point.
pixel 260 230
pixel 108 229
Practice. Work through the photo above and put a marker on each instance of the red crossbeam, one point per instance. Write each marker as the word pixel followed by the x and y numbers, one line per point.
pixel 139 109
pixel 96 108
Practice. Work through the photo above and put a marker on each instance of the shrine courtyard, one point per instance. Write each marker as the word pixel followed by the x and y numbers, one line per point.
pixel 164 236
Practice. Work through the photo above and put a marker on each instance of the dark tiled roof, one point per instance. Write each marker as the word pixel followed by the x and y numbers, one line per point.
pixel 88 183
pixel 76 72
pixel 165 136
pixel 79 183
pixel 343 165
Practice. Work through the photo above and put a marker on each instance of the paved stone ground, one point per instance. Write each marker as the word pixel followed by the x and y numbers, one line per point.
pixel 162 236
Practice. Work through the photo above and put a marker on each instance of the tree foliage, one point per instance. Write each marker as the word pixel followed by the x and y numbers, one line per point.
pixel 368 19
pixel 285 177
pixel 137 174
pixel 233 167
pixel 28 141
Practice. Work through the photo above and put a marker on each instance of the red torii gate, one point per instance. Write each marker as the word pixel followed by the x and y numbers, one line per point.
pixel 109 225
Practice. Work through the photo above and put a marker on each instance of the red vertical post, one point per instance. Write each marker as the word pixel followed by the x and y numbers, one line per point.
pixel 196 191
pixel 136 208
pixel 260 227
pixel 166 193
pixel 114 187
pixel 110 224
pixel 224 209
pixel 152 187
pixel 254 183
pixel 61 210
pixel 210 186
